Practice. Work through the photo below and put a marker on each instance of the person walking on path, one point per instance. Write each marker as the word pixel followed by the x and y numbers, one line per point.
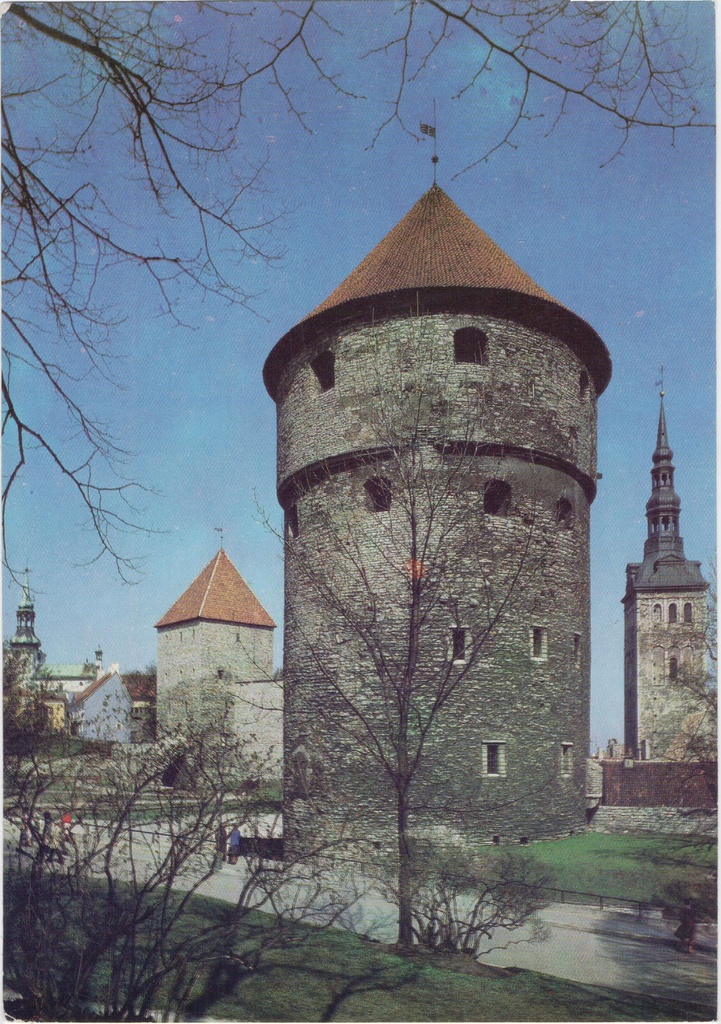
pixel 25 832
pixel 221 847
pixel 52 840
pixel 686 931
pixel 234 847
pixel 66 823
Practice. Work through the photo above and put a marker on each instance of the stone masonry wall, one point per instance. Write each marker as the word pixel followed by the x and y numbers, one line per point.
pixel 193 654
pixel 669 820
pixel 657 707
pixel 498 577
pixel 527 395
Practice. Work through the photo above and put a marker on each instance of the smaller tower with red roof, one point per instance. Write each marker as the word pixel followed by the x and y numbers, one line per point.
pixel 216 637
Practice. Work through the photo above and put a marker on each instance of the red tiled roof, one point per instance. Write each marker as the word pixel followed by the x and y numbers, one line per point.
pixel 437 258
pixel 219 594
pixel 435 245
pixel 83 694
pixel 659 784
pixel 140 689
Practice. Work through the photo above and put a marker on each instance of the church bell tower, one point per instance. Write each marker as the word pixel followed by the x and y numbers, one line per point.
pixel 664 623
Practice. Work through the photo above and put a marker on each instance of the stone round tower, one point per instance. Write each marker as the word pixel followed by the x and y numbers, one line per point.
pixel 436 466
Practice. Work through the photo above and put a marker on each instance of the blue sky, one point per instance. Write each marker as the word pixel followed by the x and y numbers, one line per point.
pixel 629 246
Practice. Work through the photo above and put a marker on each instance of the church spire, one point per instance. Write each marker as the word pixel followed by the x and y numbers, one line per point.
pixel 25 639
pixel 25 632
pixel 663 508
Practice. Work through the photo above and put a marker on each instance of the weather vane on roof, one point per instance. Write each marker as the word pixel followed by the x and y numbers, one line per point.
pixel 220 530
pixel 659 383
pixel 430 129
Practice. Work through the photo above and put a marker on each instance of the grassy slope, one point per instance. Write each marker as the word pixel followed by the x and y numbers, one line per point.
pixel 633 867
pixel 337 976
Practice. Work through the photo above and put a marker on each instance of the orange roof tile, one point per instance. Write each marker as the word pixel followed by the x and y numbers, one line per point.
pixel 94 686
pixel 440 254
pixel 435 245
pixel 219 594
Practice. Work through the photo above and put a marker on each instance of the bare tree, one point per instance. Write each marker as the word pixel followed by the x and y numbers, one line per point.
pixel 634 62
pixel 104 917
pixel 120 72
pixel 170 96
pixel 390 613
pixel 461 900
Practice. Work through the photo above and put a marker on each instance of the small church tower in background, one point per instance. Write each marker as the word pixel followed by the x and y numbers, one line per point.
pixel 664 626
pixel 25 645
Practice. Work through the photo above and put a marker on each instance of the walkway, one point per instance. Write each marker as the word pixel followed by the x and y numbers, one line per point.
pixel 611 948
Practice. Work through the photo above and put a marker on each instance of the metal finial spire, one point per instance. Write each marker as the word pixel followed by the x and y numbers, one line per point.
pixel 221 531
pixel 430 130
pixel 659 383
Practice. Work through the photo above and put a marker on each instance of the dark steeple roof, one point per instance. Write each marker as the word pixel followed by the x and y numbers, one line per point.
pixel 664 565
pixel 437 259
pixel 25 631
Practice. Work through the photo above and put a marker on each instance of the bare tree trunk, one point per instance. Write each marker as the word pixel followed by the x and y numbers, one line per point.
pixel 405 920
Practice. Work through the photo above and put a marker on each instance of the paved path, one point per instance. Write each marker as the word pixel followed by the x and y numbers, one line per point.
pixel 614 949
pixel 610 948
pixel 620 951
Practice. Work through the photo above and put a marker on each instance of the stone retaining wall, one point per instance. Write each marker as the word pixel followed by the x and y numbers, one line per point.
pixel 685 820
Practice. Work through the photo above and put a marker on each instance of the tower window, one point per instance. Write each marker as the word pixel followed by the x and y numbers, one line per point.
pixel 584 386
pixel 378 489
pixel 566 758
pixel 673 668
pixel 539 643
pixel 688 612
pixel 672 613
pixel 494 758
pixel 291 522
pixel 459 644
pixel 657 613
pixel 576 648
pixel 323 367
pixel 497 498
pixel 564 513
pixel 470 346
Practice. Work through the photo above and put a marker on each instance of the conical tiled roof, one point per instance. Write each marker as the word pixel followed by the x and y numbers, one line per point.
pixel 219 594
pixel 436 259
pixel 435 245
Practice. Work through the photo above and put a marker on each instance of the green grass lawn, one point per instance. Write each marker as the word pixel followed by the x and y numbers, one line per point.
pixel 337 976
pixel 631 867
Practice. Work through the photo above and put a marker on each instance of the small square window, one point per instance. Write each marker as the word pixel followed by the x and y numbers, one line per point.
pixel 566 758
pixel 292 528
pixel 459 644
pixel 380 493
pixel 494 758
pixel 323 367
pixel 539 643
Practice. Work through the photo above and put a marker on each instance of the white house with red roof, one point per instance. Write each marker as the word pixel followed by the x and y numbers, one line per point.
pixel 217 639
